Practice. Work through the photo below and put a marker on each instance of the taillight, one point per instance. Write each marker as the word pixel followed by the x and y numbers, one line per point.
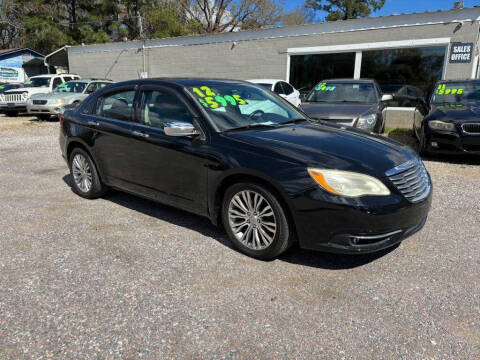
pixel 62 119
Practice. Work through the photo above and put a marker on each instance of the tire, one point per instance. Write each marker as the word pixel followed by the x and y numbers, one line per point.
pixel 11 113
pixel 255 237
pixel 422 147
pixel 43 117
pixel 85 179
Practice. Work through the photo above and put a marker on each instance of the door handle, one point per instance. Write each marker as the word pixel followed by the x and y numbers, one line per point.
pixel 141 134
pixel 92 123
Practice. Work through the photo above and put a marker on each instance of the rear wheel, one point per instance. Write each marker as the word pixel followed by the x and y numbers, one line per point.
pixel 84 175
pixel 255 221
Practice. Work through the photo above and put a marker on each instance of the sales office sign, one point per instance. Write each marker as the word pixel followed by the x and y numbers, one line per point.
pixel 461 53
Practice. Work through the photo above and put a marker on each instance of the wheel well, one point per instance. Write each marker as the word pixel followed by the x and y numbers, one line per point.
pixel 238 178
pixel 75 144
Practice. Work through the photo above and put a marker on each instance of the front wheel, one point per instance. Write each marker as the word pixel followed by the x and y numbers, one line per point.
pixel 255 221
pixel 12 113
pixel 84 175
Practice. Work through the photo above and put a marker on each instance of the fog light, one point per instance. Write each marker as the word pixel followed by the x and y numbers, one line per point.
pixel 434 144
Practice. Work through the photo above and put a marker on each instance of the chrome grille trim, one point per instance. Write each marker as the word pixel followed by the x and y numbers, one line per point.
pixel 471 128
pixel 412 180
pixel 39 102
pixel 13 98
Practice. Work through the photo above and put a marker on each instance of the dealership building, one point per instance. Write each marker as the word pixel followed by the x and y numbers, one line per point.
pixel 408 49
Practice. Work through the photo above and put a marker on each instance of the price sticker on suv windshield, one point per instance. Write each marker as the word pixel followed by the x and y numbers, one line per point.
pixel 209 99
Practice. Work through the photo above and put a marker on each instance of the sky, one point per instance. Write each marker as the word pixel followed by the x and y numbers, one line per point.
pixel 400 6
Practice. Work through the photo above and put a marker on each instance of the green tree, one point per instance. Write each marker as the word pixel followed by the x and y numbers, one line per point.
pixel 345 9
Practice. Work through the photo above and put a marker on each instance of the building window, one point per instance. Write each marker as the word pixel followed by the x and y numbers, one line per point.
pixel 308 70
pixel 411 70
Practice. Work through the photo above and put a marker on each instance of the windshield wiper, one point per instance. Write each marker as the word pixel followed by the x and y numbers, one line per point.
pixel 254 125
pixel 293 121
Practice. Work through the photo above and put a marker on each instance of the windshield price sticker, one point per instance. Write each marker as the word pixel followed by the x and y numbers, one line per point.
pixel 324 87
pixel 210 99
pixel 442 90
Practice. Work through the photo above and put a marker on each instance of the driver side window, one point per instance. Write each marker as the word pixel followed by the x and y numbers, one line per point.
pixel 57 81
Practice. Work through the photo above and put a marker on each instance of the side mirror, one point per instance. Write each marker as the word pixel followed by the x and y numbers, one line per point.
pixel 387 97
pixel 180 128
pixel 303 97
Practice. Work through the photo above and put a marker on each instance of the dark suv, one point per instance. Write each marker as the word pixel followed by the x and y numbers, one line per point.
pixel 355 103
pixel 248 159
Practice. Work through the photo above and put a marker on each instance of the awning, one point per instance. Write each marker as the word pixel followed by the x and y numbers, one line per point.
pixel 58 57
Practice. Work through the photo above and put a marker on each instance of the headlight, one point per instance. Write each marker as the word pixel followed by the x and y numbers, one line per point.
pixel 367 121
pixel 25 95
pixel 441 125
pixel 61 101
pixel 348 183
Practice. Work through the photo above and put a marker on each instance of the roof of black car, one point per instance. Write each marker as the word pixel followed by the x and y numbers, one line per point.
pixel 195 81
pixel 352 80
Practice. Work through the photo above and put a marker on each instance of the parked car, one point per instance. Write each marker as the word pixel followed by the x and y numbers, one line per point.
pixel 282 88
pixel 71 92
pixel 403 95
pixel 452 119
pixel 14 101
pixel 270 177
pixel 355 103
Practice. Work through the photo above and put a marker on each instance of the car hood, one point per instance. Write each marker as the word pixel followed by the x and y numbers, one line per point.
pixel 29 90
pixel 51 96
pixel 329 146
pixel 456 112
pixel 326 111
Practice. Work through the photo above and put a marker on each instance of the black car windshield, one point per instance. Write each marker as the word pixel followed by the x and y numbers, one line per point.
pixel 332 91
pixel 237 105
pixel 38 82
pixel 71 87
pixel 459 92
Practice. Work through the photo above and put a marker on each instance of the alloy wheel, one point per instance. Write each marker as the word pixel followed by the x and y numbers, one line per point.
pixel 82 174
pixel 252 219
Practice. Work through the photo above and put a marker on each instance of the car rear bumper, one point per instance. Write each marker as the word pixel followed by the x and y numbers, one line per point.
pixel 361 228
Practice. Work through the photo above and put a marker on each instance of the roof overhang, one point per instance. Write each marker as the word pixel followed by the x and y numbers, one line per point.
pixel 58 57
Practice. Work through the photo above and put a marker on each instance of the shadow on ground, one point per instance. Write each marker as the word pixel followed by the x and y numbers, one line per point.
pixel 203 226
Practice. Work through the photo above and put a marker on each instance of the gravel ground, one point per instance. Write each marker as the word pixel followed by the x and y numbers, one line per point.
pixel 125 278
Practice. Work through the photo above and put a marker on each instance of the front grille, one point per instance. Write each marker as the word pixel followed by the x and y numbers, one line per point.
pixel 39 102
pixel 13 98
pixel 412 180
pixel 471 128
pixel 339 121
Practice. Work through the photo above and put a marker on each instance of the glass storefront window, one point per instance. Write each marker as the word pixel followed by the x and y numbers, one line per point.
pixel 308 70
pixel 409 72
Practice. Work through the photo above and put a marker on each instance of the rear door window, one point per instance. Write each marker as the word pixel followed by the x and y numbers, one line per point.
pixel 117 105
pixel 278 89
pixel 287 88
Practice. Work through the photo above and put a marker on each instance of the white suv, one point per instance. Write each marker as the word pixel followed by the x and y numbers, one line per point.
pixel 14 101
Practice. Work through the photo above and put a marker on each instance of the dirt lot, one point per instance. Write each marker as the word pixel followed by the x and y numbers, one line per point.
pixel 124 278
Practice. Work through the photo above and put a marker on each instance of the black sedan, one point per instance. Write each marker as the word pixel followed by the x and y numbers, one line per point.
pixel 247 159
pixel 355 103
pixel 452 121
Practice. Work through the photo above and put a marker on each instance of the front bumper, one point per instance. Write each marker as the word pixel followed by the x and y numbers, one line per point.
pixel 7 107
pixel 459 142
pixel 367 224
pixel 47 109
